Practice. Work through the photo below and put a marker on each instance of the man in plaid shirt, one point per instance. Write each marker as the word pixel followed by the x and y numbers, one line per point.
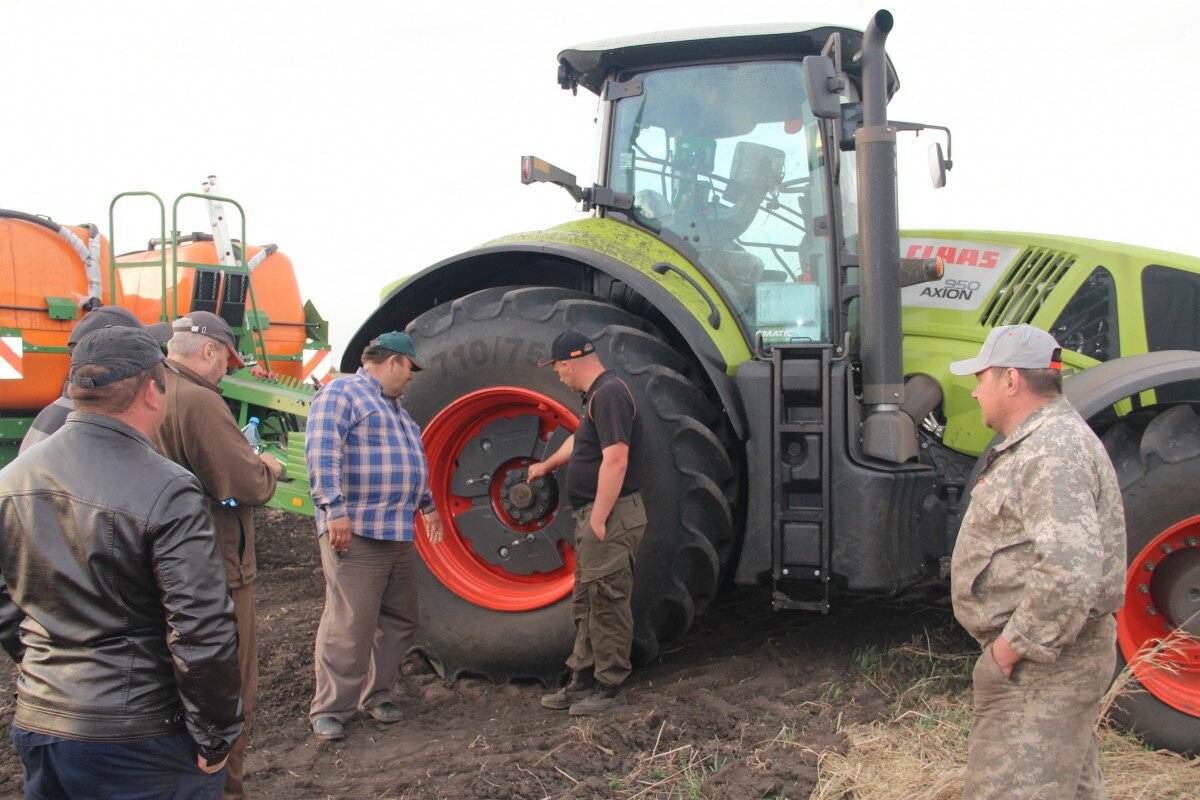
pixel 369 477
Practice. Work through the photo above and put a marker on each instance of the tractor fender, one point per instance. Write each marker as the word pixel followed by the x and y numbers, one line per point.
pixel 1099 387
pixel 570 256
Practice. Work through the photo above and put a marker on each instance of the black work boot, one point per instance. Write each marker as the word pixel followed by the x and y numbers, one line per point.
pixel 604 698
pixel 580 686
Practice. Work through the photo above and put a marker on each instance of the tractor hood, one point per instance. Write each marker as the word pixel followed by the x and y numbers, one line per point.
pixel 591 63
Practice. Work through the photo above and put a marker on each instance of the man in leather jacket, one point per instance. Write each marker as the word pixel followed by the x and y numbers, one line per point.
pixel 114 600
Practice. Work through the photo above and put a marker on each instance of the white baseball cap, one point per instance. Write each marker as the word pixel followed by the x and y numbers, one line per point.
pixel 1020 346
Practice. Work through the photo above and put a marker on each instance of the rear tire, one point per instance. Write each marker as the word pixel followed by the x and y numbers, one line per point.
pixel 1157 458
pixel 494 338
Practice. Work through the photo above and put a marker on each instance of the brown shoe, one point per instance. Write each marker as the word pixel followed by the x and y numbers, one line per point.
pixel 580 686
pixel 604 698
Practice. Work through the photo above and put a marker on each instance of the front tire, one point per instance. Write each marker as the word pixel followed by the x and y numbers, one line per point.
pixel 501 610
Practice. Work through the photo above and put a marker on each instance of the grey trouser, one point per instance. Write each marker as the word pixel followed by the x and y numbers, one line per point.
pixel 369 619
pixel 1033 736
pixel 600 604
pixel 243 612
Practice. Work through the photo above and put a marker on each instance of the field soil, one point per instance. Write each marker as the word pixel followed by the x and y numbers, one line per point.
pixel 743 708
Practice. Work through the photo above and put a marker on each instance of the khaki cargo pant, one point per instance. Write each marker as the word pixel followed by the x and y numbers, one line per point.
pixel 1033 736
pixel 600 604
pixel 370 616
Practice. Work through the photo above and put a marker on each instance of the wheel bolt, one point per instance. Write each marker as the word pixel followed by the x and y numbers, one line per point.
pixel 1190 541
pixel 1151 611
pixel 1166 548
pixel 485 445
pixel 503 552
pixel 1149 566
pixel 1143 589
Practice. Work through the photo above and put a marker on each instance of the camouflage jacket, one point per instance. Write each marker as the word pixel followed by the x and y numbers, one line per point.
pixel 1042 548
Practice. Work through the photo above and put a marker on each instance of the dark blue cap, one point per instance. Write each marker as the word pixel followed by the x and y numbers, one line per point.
pixel 122 352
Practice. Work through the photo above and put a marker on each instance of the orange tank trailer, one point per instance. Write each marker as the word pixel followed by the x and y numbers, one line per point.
pixel 276 292
pixel 36 265
pixel 42 275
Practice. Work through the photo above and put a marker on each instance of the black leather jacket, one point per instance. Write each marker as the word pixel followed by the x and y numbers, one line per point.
pixel 114 598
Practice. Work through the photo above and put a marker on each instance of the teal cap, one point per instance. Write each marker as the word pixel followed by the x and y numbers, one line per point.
pixel 398 342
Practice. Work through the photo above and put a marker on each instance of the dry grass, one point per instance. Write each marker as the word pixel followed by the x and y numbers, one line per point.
pixel 921 752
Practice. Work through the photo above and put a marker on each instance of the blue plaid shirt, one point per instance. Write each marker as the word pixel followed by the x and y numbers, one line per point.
pixel 365 460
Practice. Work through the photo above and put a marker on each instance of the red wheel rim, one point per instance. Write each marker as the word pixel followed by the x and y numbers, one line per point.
pixel 454 560
pixel 1141 625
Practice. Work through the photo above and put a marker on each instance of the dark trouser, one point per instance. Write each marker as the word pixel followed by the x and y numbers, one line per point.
pixel 370 616
pixel 243 612
pixel 163 768
pixel 600 603
pixel 1033 735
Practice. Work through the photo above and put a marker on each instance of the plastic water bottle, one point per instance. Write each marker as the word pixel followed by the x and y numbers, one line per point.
pixel 251 434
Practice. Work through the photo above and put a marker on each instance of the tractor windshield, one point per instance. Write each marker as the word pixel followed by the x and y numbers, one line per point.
pixel 727 158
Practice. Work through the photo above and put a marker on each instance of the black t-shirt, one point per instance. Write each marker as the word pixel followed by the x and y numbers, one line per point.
pixel 610 416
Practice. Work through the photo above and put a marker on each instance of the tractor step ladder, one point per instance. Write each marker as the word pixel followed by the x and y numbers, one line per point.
pixel 800 476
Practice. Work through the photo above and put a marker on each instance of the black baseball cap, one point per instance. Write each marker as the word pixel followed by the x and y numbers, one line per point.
pixel 214 327
pixel 114 317
pixel 568 345
pixel 123 352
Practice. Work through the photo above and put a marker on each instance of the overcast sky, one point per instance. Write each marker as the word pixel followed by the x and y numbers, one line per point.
pixel 369 140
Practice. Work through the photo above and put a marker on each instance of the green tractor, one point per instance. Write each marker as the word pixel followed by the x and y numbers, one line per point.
pixel 742 269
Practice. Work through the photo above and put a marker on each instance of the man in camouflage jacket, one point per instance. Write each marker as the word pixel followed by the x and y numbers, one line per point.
pixel 1037 574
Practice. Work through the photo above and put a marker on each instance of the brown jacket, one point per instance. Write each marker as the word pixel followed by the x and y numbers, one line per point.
pixel 200 434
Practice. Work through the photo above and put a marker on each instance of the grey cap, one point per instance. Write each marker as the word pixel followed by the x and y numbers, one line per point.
pixel 1020 346
pixel 121 351
pixel 114 317
pixel 209 324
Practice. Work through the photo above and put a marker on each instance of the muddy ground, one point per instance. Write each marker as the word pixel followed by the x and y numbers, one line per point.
pixel 742 708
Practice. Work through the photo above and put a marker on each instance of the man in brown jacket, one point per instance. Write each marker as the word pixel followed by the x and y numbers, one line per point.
pixel 200 434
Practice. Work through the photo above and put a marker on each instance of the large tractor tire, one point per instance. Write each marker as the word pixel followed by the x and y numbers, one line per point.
pixel 495 594
pixel 1157 458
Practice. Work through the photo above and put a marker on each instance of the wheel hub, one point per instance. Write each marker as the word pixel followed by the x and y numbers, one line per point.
pixel 527 502
pixel 521 536
pixel 1175 589
pixel 1162 598
pixel 507 544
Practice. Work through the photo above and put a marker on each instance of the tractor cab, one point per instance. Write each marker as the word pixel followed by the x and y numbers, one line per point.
pixel 710 142
pixel 726 159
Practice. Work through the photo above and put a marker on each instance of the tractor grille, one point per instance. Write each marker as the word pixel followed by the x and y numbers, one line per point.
pixel 1026 286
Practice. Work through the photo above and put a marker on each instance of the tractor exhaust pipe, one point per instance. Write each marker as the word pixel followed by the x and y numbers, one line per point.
pixel 887 432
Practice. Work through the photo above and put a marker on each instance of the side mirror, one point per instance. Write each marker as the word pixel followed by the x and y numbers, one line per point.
pixel 937 165
pixel 824 86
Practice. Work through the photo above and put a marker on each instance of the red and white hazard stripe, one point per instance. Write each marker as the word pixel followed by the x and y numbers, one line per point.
pixel 12 352
pixel 317 364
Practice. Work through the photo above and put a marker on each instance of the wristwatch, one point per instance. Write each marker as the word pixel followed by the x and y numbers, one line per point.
pixel 216 754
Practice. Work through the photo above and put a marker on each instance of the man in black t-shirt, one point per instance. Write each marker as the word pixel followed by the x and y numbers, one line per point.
pixel 604 473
